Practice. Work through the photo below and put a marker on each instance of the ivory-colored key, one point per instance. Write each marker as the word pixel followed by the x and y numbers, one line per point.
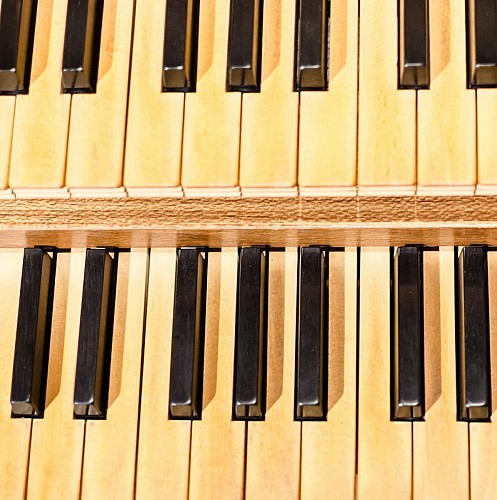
pixel 212 115
pixel 384 461
pixel 164 444
pixel 268 148
pixel 218 442
pixel 446 113
pixel 110 445
pixel 7 110
pixel 57 441
pixel 97 125
pixel 328 120
pixel 328 448
pixel 483 436
pixel 387 116
pixel 15 434
pixel 440 444
pixel 273 446
pixel 155 119
pixel 486 104
pixel 42 117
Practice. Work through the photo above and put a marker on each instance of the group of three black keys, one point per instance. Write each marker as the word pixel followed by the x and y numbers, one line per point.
pixel 32 345
pixel 84 26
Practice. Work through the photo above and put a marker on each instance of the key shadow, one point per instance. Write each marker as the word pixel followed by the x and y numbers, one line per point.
pixel 271 38
pixel 43 32
pixel 118 338
pixel 212 323
pixel 58 328
pixel 439 36
pixel 338 37
pixel 275 328
pixel 207 11
pixel 492 297
pixel 432 328
pixel 107 41
pixel 336 328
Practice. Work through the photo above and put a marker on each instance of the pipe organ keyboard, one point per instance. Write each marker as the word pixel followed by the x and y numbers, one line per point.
pixel 247 248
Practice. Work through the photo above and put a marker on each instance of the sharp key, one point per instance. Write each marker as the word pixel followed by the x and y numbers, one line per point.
pixel 29 375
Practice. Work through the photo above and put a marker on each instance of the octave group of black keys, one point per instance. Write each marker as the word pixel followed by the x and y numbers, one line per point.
pixel 84 26
pixel 32 346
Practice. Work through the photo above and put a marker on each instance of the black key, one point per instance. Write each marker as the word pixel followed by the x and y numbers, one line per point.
pixel 312 45
pixel 244 46
pixel 408 366
pixel 414 45
pixel 17 26
pixel 474 341
pixel 82 46
pixel 481 32
pixel 312 318
pixel 95 334
pixel 185 392
pixel 34 320
pixel 250 335
pixel 180 46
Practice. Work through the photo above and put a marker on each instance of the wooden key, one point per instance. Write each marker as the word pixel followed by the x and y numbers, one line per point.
pixel 273 446
pixel 384 466
pixel 218 442
pixel 212 116
pixel 268 155
pixel 110 445
pixel 7 109
pixel 98 121
pixel 42 117
pixel 154 131
pixel 57 440
pixel 387 115
pixel 447 113
pixel 325 466
pixel 440 444
pixel 14 433
pixel 164 444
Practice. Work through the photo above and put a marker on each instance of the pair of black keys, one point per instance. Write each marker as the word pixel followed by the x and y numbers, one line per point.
pixel 83 33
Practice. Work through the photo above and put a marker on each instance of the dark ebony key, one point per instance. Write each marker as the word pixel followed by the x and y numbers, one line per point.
pixel 244 46
pixel 474 342
pixel 34 321
pixel 312 45
pixel 312 317
pixel 481 32
pixel 185 392
pixel 414 45
pixel 180 46
pixel 408 366
pixel 82 46
pixel 250 335
pixel 95 335
pixel 17 25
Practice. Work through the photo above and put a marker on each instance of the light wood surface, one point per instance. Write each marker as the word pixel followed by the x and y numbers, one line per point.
pixel 58 439
pixel 14 433
pixel 211 141
pixel 273 446
pixel 440 443
pixel 486 113
pixel 483 436
pixel 42 117
pixel 164 445
pixel 98 121
pixel 328 120
pixel 384 460
pixel 446 113
pixel 218 442
pixel 329 448
pixel 110 444
pixel 268 148
pixel 154 129
pixel 7 109
pixel 387 116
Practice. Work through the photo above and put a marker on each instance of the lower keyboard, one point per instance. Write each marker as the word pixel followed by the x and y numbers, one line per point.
pixel 139 451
